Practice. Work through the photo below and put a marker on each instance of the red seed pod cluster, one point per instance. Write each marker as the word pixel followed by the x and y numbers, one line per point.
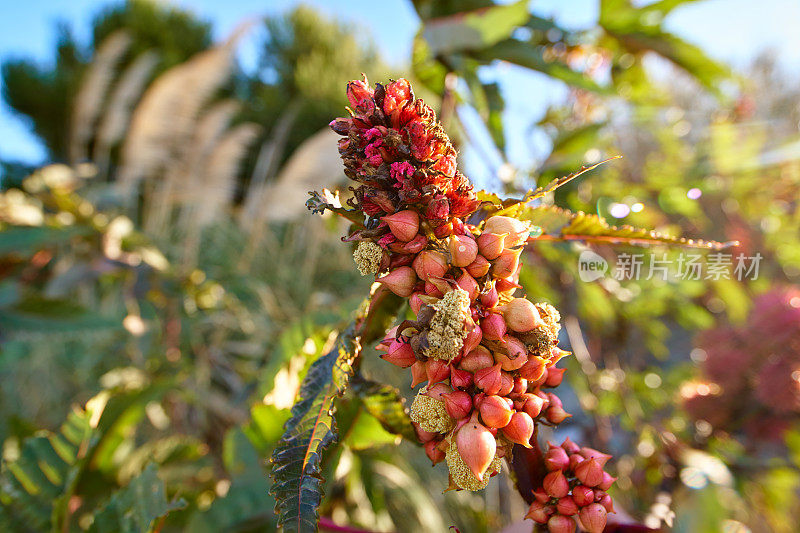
pixel 485 355
pixel 574 487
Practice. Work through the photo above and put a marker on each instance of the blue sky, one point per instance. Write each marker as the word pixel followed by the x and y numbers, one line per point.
pixel 730 30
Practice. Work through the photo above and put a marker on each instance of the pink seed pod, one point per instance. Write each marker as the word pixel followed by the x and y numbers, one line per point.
pixel 520 429
pixel 520 385
pixel 521 315
pixel 533 405
pixel 489 379
pixel 556 458
pixel 570 446
pixel 430 264
pixel 554 376
pixel 590 473
pixel 539 512
pixel 490 298
pixel 460 379
pixel 560 524
pixel 533 370
pixel 495 412
pixel 400 354
pixel 517 354
pixel 541 496
pixel 491 245
pixel 414 246
pixel 506 384
pixel 555 414
pixel 556 354
pixel 517 231
pixel 437 370
pixel 479 267
pixel 590 453
pixel 416 302
pixel 433 452
pixel 404 224
pixel 506 286
pixel 419 373
pixel 606 501
pixel 567 506
pixel 555 484
pixel 476 445
pixel 608 480
pixel 468 283
pixel 582 495
pixel 575 460
pixel 463 250
pixel 458 404
pixel 400 281
pixel 506 264
pixel 494 327
pixel 437 391
pixel 593 518
pixel 424 436
pixel 472 340
pixel 478 358
pixel 432 289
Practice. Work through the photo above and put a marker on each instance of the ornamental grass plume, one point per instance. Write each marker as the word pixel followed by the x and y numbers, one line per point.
pixel 487 353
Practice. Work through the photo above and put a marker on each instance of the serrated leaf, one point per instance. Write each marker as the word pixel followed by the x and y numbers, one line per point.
pixel 296 461
pixel 136 507
pixel 387 405
pixel 563 225
pixel 327 200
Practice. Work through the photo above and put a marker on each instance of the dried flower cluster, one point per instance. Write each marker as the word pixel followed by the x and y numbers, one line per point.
pixel 487 356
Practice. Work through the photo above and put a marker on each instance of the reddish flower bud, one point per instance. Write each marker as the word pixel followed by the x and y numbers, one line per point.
pixel 494 327
pixel 468 283
pixel 533 405
pixel 582 495
pixel 397 94
pixel 476 445
pixel 491 245
pixel 479 267
pixel 419 373
pixel 357 91
pixel 460 379
pixel 490 298
pixel 463 250
pixel 404 224
pixel 437 370
pixel 589 472
pixel 556 458
pixel 478 358
pixel 458 404
pixel 521 315
pixel 593 518
pixel 554 376
pixel 589 453
pixel 539 512
pixel 433 452
pixel 555 414
pixel 489 379
pixel 506 264
pixel 516 231
pixel 567 506
pixel 495 411
pixel 533 370
pixel 608 480
pixel 516 357
pixel 400 281
pixel 555 484
pixel 506 384
pixel 520 429
pixel 570 446
pixel 606 501
pixel 400 354
pixel 430 264
pixel 560 524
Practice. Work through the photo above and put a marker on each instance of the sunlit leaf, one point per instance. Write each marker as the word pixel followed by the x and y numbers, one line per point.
pixel 387 405
pixel 320 201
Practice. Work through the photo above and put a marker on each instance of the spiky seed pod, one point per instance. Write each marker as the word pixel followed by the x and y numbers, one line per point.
pixel 461 475
pixel 430 414
pixel 447 330
pixel 367 257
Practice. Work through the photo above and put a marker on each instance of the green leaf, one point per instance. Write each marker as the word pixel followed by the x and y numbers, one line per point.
pixel 136 507
pixel 320 201
pixel 296 461
pixel 49 315
pixel 563 225
pixel 531 56
pixel 365 431
pixel 428 9
pixel 474 30
pixel 25 240
pixel 387 406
